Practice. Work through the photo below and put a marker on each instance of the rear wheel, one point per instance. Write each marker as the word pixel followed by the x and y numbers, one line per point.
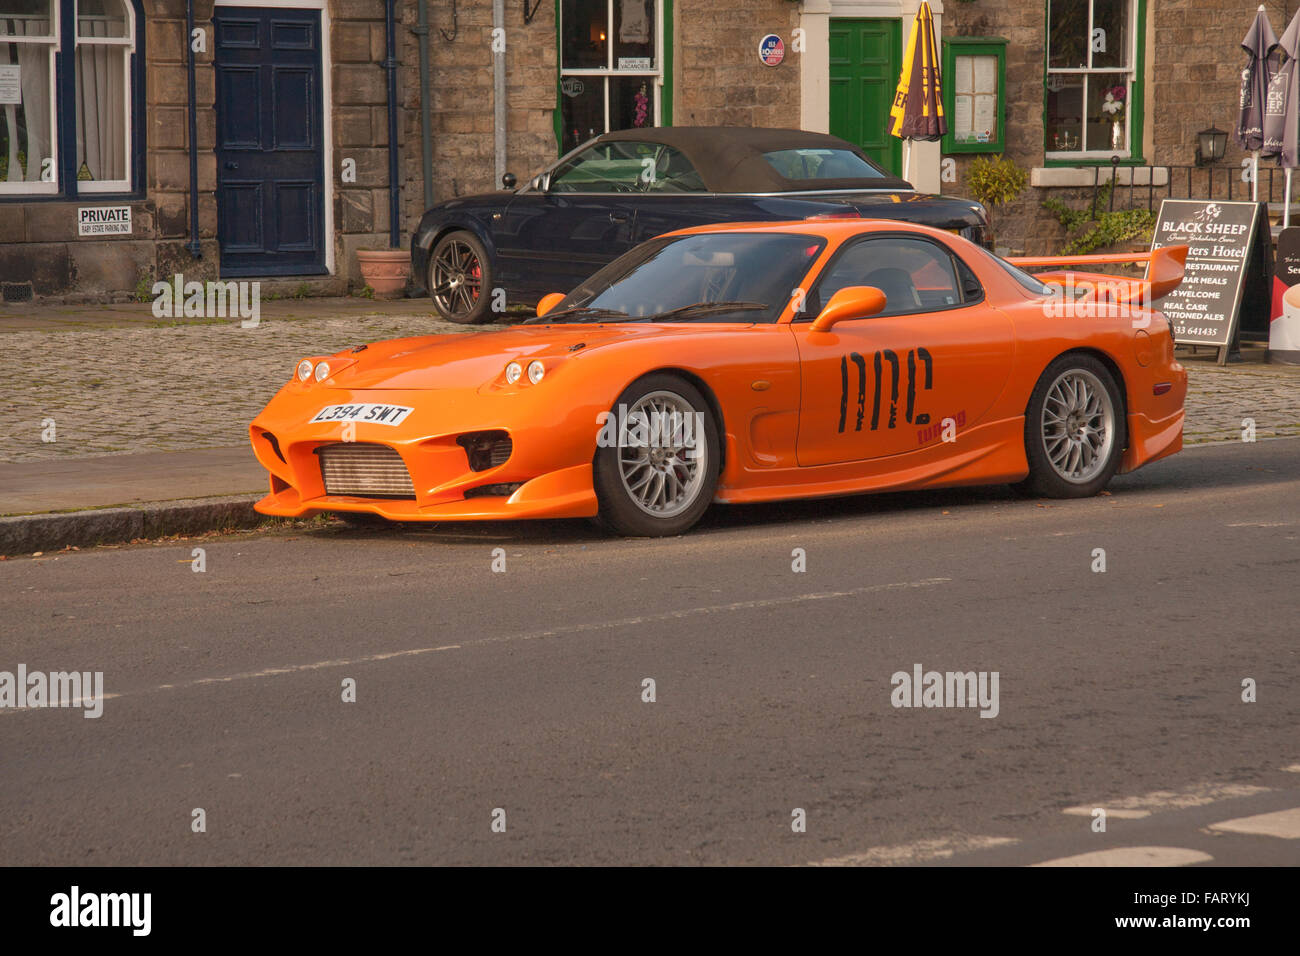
pixel 660 475
pixel 1074 429
pixel 460 279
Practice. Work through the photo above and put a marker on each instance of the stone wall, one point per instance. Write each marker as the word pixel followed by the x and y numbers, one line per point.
pixel 1193 67
pixel 462 97
pixel 718 78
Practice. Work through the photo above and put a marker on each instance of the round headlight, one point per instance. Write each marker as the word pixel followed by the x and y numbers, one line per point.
pixel 304 370
pixel 513 371
pixel 322 371
pixel 535 372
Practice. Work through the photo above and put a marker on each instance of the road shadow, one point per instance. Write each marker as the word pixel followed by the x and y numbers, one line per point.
pixel 1193 471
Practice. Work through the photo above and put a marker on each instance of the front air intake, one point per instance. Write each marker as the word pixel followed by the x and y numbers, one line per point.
pixel 486 449
pixel 364 470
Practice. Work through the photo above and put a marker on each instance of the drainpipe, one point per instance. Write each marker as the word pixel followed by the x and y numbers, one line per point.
pixel 499 92
pixel 394 187
pixel 426 120
pixel 196 250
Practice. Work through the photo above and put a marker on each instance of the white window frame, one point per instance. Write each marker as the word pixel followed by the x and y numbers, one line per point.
pixel 52 44
pixel 609 70
pixel 128 41
pixel 1130 77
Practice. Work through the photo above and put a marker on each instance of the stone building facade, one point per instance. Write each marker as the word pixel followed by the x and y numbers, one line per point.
pixel 291 113
pixel 1185 60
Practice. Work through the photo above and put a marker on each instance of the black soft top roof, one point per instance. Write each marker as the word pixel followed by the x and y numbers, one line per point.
pixel 730 158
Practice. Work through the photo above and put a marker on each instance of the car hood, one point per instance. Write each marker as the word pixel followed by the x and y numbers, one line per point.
pixel 475 359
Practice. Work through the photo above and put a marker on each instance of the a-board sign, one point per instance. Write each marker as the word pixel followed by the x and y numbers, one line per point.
pixel 1284 324
pixel 1205 308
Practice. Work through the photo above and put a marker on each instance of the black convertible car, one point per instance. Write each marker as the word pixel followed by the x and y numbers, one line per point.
pixel 625 187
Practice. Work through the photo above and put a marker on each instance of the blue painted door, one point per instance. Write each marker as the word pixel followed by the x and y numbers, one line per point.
pixel 270 141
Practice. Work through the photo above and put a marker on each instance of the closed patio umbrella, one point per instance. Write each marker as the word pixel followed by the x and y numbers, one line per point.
pixel 1282 108
pixel 917 112
pixel 1258 44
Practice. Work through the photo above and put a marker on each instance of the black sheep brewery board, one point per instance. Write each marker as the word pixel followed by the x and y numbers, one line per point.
pixel 1205 309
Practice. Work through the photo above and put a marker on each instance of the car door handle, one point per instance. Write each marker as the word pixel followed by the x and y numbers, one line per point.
pixel 618 217
pixel 232 165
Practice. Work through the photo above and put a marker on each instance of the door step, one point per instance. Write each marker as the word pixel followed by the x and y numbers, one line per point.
pixel 297 287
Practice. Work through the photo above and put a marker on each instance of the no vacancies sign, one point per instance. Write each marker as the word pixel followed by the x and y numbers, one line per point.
pixel 104 221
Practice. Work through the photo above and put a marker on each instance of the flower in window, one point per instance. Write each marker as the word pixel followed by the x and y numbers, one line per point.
pixel 1113 105
pixel 642 101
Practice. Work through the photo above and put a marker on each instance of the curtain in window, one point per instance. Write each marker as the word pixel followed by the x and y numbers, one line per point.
pixel 33 61
pixel 101 106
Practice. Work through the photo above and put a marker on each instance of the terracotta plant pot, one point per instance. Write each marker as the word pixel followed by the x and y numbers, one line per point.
pixel 385 271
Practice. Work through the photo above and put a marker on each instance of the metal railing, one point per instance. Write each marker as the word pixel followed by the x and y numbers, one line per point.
pixel 1220 182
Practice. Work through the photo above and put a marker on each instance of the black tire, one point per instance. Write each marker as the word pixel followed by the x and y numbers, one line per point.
pixel 459 279
pixel 623 508
pixel 1074 429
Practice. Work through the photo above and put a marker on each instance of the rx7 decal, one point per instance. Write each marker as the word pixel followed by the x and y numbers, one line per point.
pixel 878 361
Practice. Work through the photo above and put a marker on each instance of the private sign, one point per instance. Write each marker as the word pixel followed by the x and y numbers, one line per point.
pixel 104 221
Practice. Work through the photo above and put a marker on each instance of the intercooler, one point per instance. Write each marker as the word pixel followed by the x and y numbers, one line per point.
pixel 364 470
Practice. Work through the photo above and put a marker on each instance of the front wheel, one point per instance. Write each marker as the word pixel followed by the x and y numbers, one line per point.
pixel 657 465
pixel 460 279
pixel 1074 429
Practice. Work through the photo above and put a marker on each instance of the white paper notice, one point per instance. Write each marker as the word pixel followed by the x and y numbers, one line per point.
pixel 985 111
pixel 961 118
pixel 986 76
pixel 11 85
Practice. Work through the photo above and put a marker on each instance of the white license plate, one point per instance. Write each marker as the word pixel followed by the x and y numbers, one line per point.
pixel 373 413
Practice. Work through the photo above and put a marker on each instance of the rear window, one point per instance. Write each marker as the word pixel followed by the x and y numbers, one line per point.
pixel 813 163
pixel 1024 278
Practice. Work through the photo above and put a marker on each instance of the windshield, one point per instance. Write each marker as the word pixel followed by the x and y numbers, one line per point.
pixel 715 277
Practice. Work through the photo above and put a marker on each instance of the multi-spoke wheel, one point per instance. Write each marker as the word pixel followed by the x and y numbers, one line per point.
pixel 658 474
pixel 1074 429
pixel 460 278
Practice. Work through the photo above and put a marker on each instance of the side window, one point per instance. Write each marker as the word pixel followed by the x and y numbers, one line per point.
pixel 915 274
pixel 607 168
pixel 971 288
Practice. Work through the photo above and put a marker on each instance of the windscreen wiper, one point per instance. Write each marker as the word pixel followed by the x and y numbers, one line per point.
pixel 705 308
pixel 583 311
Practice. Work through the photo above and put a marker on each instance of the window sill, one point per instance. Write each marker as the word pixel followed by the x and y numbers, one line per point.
pixel 1059 177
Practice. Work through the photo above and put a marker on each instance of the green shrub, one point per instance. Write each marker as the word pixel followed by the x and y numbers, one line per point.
pixel 1089 230
pixel 995 180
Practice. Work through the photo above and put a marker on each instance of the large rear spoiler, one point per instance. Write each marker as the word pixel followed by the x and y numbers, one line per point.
pixel 1164 272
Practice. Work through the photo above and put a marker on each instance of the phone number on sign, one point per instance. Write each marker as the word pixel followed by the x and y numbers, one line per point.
pixel 1181 331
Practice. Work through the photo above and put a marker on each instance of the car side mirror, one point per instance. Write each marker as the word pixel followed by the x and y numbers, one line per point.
pixel 549 302
pixel 541 182
pixel 851 302
pixel 508 181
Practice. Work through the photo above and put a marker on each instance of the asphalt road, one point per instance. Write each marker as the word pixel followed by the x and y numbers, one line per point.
pixel 523 689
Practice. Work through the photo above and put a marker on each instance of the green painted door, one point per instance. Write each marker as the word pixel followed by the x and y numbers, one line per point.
pixel 866 57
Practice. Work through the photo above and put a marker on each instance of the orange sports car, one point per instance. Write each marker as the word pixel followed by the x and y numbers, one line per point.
pixel 745 363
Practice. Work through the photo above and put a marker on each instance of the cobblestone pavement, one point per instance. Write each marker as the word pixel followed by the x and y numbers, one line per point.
pixel 123 390
pixel 1221 398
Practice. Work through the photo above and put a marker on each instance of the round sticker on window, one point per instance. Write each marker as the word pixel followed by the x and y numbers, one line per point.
pixel 771 50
